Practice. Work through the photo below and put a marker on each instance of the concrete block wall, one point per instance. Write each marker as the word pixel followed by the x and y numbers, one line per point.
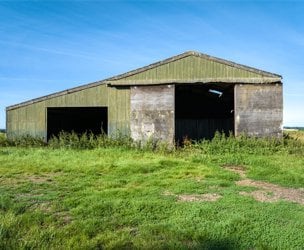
pixel 258 109
pixel 152 113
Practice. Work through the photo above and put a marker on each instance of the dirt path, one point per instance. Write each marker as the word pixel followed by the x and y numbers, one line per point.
pixel 266 192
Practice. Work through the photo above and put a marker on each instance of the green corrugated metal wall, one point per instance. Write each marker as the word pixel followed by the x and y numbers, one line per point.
pixel 119 110
pixel 190 68
pixel 31 119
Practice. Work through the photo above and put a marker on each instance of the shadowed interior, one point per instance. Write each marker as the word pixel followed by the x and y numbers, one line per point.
pixel 201 110
pixel 77 119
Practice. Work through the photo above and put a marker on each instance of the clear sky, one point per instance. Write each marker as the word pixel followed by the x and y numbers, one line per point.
pixel 48 46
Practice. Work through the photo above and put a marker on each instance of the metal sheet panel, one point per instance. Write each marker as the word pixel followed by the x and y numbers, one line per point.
pixel 119 111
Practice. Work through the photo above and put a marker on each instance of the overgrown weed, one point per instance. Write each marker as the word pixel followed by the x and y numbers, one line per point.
pixel 89 141
pixel 21 141
pixel 220 144
pixel 3 140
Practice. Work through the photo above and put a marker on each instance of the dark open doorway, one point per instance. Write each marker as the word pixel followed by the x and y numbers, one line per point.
pixel 201 110
pixel 77 119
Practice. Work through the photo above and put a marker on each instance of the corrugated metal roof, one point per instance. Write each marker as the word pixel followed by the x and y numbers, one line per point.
pixel 188 67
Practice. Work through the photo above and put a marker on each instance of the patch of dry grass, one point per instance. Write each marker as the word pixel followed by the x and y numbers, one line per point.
pixel 297 135
pixel 267 192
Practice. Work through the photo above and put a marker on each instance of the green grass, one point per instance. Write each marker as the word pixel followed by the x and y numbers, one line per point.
pixel 114 197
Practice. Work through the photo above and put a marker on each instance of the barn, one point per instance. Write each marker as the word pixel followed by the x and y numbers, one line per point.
pixel 190 95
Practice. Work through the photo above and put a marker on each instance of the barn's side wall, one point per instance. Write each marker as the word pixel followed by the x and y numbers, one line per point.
pixel 258 110
pixel 31 119
pixel 118 110
pixel 152 113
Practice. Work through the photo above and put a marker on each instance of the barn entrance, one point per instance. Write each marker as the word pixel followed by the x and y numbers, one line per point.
pixel 77 119
pixel 201 110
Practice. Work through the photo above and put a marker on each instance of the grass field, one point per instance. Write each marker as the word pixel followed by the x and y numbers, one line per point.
pixel 227 194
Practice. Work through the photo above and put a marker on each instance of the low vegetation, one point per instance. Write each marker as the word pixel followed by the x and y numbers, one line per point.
pixel 297 134
pixel 83 192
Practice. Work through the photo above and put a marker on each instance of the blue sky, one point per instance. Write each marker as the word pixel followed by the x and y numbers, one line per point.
pixel 48 46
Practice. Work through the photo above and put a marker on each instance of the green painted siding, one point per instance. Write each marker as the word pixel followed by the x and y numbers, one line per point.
pixel 31 119
pixel 190 68
pixel 119 110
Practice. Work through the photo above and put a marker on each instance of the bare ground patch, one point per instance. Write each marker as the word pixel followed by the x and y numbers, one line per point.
pixel 209 197
pixel 36 197
pixel 39 179
pixel 267 192
pixel 19 179
pixel 10 181
pixel 198 197
pixel 63 217
pixel 238 169
pixel 45 207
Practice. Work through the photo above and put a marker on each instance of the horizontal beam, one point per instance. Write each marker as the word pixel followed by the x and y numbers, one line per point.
pixel 262 80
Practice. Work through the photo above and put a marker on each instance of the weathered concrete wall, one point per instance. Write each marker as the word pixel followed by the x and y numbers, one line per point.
pixel 258 109
pixel 152 113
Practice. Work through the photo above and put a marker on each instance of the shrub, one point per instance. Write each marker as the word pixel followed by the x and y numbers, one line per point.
pixel 72 140
pixel 3 140
pixel 89 141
